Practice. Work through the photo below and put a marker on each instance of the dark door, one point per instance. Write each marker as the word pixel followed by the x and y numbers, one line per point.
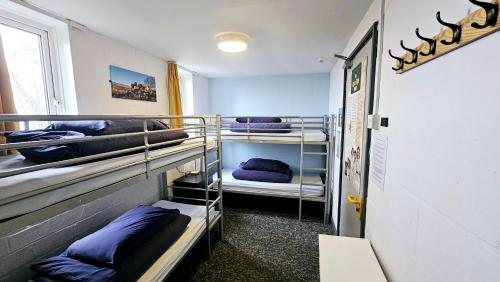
pixel 358 104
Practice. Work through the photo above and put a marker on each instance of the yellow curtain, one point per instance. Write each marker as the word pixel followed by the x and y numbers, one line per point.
pixel 6 100
pixel 174 95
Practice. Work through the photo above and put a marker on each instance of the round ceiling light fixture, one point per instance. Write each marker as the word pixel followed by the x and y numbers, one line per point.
pixel 232 41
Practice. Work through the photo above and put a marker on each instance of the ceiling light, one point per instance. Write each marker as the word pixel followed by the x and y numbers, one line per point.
pixel 232 41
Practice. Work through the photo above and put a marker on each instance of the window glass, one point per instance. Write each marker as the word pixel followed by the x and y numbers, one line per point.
pixel 24 55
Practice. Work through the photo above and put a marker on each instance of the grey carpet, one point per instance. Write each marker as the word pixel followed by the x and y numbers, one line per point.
pixel 259 245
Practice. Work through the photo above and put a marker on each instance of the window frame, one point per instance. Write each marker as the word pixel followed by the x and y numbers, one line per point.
pixel 55 87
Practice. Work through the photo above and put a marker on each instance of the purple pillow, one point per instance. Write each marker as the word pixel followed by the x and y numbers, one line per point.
pixel 262 176
pixel 87 127
pixel 115 241
pixel 127 126
pixel 62 268
pixel 265 165
pixel 259 120
pixel 106 127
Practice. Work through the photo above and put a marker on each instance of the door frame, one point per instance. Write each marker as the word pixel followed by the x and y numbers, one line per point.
pixel 372 34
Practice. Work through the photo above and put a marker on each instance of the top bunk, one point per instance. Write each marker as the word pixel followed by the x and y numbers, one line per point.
pixel 308 130
pixel 49 159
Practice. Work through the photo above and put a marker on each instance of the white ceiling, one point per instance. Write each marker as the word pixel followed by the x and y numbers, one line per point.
pixel 287 35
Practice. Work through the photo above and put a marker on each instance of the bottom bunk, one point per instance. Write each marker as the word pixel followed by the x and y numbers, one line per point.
pixel 193 232
pixel 312 190
pixel 143 244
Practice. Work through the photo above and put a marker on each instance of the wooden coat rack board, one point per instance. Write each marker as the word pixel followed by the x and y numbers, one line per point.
pixel 474 26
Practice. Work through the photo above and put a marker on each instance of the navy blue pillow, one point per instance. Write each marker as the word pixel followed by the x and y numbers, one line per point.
pixel 259 120
pixel 262 176
pixel 87 127
pixel 62 268
pixel 265 165
pixel 127 126
pixel 115 241
pixel 106 127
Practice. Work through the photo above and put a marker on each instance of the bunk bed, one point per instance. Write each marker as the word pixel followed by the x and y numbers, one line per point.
pixel 311 183
pixel 31 192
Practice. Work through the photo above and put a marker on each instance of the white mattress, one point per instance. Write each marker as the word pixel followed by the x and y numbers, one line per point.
pixel 195 229
pixel 309 136
pixel 18 185
pixel 293 188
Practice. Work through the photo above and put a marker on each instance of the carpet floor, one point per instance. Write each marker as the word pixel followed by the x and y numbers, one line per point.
pixel 261 243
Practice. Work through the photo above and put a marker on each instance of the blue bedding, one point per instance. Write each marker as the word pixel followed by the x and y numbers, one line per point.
pixel 260 128
pixel 112 243
pixel 265 165
pixel 63 268
pixel 136 262
pixel 106 127
pixel 49 153
pixel 68 130
pixel 259 120
pixel 262 176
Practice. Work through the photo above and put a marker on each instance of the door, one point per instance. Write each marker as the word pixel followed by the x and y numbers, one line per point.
pixel 358 104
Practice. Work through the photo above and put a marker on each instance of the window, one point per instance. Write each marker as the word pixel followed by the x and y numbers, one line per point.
pixel 186 87
pixel 39 62
pixel 26 51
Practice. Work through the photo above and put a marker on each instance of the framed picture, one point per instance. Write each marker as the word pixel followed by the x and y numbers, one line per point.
pixel 126 84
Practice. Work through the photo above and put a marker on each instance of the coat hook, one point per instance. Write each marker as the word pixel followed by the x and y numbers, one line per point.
pixel 430 41
pixel 491 14
pixel 401 61
pixel 414 54
pixel 457 30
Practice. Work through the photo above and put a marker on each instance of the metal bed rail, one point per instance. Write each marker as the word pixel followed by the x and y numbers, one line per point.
pixel 296 135
pixel 211 122
pixel 200 127
pixel 197 125
pixel 146 147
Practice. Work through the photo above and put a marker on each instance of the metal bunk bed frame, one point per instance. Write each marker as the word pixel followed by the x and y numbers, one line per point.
pixel 298 124
pixel 200 127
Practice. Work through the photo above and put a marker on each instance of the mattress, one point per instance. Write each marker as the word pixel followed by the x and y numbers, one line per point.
pixel 294 136
pixel 195 229
pixel 36 181
pixel 229 183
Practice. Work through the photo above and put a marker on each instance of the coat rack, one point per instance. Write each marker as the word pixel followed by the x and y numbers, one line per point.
pixel 474 26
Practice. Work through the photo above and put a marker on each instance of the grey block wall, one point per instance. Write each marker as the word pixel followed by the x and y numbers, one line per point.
pixel 19 249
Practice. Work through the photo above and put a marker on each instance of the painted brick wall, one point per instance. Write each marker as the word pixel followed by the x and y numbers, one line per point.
pixel 51 236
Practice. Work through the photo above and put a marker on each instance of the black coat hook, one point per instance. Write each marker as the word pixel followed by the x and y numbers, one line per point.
pixel 401 61
pixel 491 14
pixel 430 41
pixel 414 54
pixel 457 30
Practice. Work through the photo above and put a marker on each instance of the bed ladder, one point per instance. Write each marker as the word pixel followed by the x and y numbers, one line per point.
pixel 325 169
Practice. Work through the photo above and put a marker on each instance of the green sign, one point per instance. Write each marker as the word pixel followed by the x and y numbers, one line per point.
pixel 356 79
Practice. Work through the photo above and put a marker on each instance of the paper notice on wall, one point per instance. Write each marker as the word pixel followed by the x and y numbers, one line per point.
pixel 378 159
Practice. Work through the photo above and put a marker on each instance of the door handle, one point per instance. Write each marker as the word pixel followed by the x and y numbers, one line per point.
pixel 356 200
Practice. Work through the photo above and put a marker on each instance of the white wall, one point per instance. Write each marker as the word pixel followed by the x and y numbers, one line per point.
pixel 437 218
pixel 92 54
pixel 200 95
